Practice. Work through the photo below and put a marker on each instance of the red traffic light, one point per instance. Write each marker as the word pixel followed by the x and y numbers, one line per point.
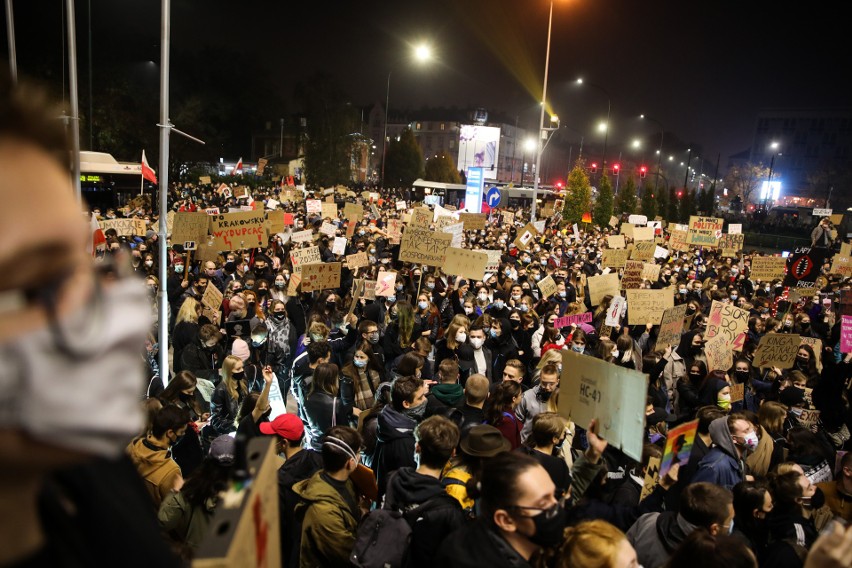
pixel 559 185
pixel 594 167
pixel 615 169
pixel 642 171
pixel 679 194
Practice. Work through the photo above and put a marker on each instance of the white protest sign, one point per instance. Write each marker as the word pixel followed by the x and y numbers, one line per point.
pixel 615 311
pixel 339 246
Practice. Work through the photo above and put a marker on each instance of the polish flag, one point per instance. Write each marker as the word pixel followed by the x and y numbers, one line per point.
pixel 147 172
pixel 239 166
pixel 97 245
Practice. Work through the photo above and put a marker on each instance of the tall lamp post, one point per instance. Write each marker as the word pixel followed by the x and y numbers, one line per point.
pixel 604 126
pixel 422 53
pixel 774 147
pixel 541 131
pixel 659 151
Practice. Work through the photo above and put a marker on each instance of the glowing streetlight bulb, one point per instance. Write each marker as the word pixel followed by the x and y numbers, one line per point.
pixel 423 52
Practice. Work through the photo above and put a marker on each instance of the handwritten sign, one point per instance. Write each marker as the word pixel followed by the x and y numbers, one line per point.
pixel 592 389
pixel 314 205
pixel 846 334
pixel 212 297
pixel 647 306
pixel 768 268
pixel 809 418
pixel 525 237
pixel 302 256
pixel 718 353
pixel 615 311
pixel 473 221
pixel 731 243
pixel 777 350
pixel 364 289
pixel 494 257
pixel 643 234
pixel 422 246
pixel 508 218
pixel 671 326
pixel 421 217
pixel 401 206
pixel 242 230
pixel 275 222
pixel 328 229
pixel 357 260
pixel 737 392
pixel 547 286
pixel 321 276
pixel 650 272
pixel 306 236
pixel 353 211
pixel 729 321
pixel 643 250
pixel 385 284
pixel 566 321
pixel 602 285
pixel 615 241
pixel 677 242
pixel 467 263
pixel 704 231
pixel 126 227
pixel 190 227
pixel 735 229
pixel 614 258
pixel 339 246
pixel 328 210
pixel 456 230
pixel 841 265
pixel 394 229
pixel 633 275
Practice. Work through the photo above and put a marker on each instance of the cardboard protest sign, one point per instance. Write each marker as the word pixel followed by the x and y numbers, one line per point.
pixel 294 283
pixel 329 210
pixel 671 326
pixel 125 227
pixel 241 191
pixel 328 229
pixel 302 256
pixel 385 284
pixel 592 389
pixel 357 260
pixel 730 321
pixel 613 221
pixel 212 211
pixel 731 243
pixel 306 236
pixel 547 286
pixel 809 418
pixel 275 222
pixel 190 227
pixel 422 246
pixel 525 237
pixel 473 221
pixel 313 205
pixel 603 285
pixel 650 272
pixel 401 206
pixel 508 218
pixel 647 306
pixel 205 180
pixel 615 311
pixel 660 252
pixel 841 265
pixel 206 250
pixel 353 211
pixel 466 263
pixel 566 321
pixel 494 257
pixel 456 230
pixel 633 275
pixel 643 234
pixel 170 223
pixel 737 392
pixel 735 229
pixel 803 266
pixel 321 276
pixel 704 231
pixel 615 241
pixel 339 246
pixel 212 297
pixel 768 268
pixel 394 230
pixel 718 353
pixel 652 474
pixel 846 334
pixel 421 217
pixel 627 230
pixel 614 258
pixel 364 289
pixel 776 350
pixel 678 446
pixel 677 241
pixel 242 230
pixel 637 219
pixel 643 250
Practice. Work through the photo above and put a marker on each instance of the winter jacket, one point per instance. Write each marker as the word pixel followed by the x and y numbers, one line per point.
pixel 223 410
pixel 322 411
pixel 406 490
pixel 656 536
pixel 203 362
pixel 394 444
pixel 298 467
pixel 476 545
pixel 329 517
pixel 529 407
pixel 184 523
pixel 156 467
pixel 675 369
pixel 510 427
pixel 444 396
pixel 722 465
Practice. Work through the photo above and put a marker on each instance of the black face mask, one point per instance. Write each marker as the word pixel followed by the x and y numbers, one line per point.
pixel 543 395
pixel 230 267
pixel 250 307
pixel 549 526
pixel 262 292
pixel 815 502
pixel 690 311
pixel 515 324
pixel 742 375
pixel 238 376
pixel 331 305
pixel 279 315
pixel 186 397
pixel 801 362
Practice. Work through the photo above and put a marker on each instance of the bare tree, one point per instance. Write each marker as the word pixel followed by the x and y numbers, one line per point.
pixel 744 179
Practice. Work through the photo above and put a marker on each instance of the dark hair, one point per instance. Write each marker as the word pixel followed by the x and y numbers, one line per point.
pixel 437 437
pixel 170 417
pixel 318 350
pixel 325 379
pixel 409 363
pixel 28 114
pixel 207 481
pixel 207 332
pixel 748 496
pixel 704 504
pixel 179 383
pixel 702 369
pixel 334 458
pixel 498 486
pixel 804 443
pixel 786 492
pixel 702 550
pixel 500 401
pixel 706 415
pixel 403 390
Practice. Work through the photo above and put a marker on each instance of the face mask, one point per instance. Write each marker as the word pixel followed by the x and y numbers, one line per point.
pixel 362 232
pixel 149 263
pixel 279 285
pixel 742 375
pixel 724 401
pixel 734 297
pixel 682 290
pixel 416 413
pixel 477 342
pixel 750 441
pixel 690 311
pixel 238 376
pixel 316 337
pixel 577 348
pixel 391 299
pixel 516 297
pixel 562 293
pixel 483 297
pixel 468 311
pixel 461 337
pixel 543 395
pixel 211 343
pixel 498 304
pixel 372 251
pixel 549 526
pixel 816 501
pixel 230 266
pixel 104 366
pixel 331 305
pixel 615 354
pixel 523 308
pixel 515 324
pixel 422 305
pixel 360 363
pixel 398 287
pixel 430 285
pixel 494 333
pixel 250 307
pixel 373 338
pixel 178 269
pixel 280 316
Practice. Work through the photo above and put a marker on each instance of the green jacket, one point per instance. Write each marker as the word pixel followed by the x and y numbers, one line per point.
pixel 328 523
pixel 183 522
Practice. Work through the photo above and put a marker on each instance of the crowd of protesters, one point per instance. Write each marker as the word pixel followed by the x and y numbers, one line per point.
pixel 439 402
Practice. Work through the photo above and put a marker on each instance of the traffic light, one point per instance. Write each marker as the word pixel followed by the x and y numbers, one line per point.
pixel 559 185
pixel 594 167
pixel 679 194
pixel 615 169
pixel 642 171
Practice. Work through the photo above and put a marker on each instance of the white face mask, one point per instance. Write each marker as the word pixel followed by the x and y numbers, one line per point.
pixel 461 337
pixel 51 394
pixel 477 342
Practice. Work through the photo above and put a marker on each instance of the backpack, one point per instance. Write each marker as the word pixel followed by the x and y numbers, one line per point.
pixel 383 536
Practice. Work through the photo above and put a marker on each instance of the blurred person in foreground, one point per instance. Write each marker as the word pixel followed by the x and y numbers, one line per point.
pixel 70 339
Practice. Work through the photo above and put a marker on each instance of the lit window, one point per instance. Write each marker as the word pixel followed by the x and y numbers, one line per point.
pixel 443 126
pixel 418 126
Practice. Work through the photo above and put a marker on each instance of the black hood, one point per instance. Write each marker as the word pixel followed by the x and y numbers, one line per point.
pixel 408 487
pixel 393 425
pixel 672 529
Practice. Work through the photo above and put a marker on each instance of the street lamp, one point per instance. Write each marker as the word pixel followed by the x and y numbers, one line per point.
pixel 602 126
pixel 774 147
pixel 422 54
pixel 529 146
pixel 541 131
pixel 659 151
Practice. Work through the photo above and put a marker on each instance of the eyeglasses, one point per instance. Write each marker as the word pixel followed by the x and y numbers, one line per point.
pixel 548 512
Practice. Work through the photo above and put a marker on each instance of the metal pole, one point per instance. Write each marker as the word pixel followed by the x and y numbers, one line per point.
pixel 281 141
pixel 606 132
pixel 10 33
pixel 686 175
pixel 769 184
pixel 385 134
pixel 75 106
pixel 541 118
pixel 91 90
pixel 163 188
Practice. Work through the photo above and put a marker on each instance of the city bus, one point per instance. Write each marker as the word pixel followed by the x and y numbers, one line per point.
pixel 107 183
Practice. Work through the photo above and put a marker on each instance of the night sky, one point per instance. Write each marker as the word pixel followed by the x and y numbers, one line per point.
pixel 703 69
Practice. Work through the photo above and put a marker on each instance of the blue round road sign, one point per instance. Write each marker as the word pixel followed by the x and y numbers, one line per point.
pixel 492 198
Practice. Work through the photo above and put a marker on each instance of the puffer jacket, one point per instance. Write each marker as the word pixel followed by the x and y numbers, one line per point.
pixel 328 522
pixel 722 465
pixel 322 411
pixel 394 444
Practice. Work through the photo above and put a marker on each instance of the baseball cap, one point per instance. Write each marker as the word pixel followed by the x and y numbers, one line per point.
pixel 224 449
pixel 288 426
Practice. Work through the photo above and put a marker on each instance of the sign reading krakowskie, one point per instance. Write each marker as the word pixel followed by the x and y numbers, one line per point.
pixel 241 230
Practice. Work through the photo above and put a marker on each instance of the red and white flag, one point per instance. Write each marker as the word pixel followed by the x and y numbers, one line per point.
pixel 239 166
pixel 97 244
pixel 147 172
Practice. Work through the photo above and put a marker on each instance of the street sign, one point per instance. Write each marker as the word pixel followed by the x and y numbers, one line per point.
pixel 492 198
pixel 822 212
pixel 473 193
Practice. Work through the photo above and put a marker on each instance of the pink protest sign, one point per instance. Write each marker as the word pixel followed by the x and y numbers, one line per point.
pixel 572 320
pixel 846 334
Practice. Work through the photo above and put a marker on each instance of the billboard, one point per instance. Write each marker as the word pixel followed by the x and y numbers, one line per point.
pixel 478 147
pixel 473 190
